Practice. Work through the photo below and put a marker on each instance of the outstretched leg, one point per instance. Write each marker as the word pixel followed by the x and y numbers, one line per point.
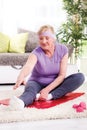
pixel 69 84
pixel 29 94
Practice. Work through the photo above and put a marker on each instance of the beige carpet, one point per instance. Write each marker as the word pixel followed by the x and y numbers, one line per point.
pixel 62 111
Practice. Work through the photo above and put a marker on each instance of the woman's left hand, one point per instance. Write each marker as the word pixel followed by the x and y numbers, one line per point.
pixel 43 94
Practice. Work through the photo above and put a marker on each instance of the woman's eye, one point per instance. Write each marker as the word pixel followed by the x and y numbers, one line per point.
pixel 47 38
pixel 41 38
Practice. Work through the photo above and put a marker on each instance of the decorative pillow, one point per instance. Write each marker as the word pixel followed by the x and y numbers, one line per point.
pixel 18 42
pixel 4 43
pixel 32 42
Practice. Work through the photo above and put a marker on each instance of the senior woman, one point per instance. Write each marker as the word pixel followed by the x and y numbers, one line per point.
pixel 48 65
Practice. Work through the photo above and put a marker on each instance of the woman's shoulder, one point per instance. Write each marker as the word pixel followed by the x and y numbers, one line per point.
pixel 61 45
pixel 61 49
pixel 37 51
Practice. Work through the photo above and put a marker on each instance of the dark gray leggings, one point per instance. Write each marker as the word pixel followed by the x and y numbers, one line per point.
pixel 69 84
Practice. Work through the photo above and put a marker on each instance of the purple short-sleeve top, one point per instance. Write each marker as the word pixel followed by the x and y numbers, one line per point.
pixel 47 69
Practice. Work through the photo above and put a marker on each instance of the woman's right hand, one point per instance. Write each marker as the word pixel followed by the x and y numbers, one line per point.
pixel 18 83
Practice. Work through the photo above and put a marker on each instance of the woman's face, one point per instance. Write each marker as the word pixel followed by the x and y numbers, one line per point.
pixel 46 40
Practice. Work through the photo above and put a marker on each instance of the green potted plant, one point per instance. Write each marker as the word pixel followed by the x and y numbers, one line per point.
pixel 72 32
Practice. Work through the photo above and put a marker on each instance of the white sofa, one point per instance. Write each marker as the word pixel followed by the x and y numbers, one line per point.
pixel 9 74
pixel 11 63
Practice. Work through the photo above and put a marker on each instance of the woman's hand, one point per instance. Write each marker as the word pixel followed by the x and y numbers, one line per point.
pixel 18 83
pixel 43 94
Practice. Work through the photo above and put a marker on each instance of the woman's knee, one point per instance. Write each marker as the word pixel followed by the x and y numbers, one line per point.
pixel 32 86
pixel 79 77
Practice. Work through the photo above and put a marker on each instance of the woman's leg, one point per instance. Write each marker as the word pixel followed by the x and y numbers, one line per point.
pixel 29 94
pixel 70 84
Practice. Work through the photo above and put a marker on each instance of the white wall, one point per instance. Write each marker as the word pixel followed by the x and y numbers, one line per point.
pixel 30 14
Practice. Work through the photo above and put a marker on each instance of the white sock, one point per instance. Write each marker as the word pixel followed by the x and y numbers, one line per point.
pixel 16 103
pixel 37 96
pixel 48 98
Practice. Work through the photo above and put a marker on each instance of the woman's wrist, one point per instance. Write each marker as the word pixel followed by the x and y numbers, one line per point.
pixel 48 89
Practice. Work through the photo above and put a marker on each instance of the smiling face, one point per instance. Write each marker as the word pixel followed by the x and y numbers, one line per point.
pixel 46 39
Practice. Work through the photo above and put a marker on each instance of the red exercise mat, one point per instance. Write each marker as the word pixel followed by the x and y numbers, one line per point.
pixel 48 104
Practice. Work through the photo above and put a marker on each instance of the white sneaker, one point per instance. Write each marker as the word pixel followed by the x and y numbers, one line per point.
pixel 14 104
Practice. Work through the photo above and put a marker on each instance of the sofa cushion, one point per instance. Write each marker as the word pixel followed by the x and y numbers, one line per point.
pixel 32 42
pixel 13 58
pixel 4 43
pixel 18 42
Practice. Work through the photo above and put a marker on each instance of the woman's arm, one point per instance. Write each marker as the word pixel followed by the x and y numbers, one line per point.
pixel 63 67
pixel 26 70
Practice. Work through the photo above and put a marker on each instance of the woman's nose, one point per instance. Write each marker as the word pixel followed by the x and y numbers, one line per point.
pixel 44 40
